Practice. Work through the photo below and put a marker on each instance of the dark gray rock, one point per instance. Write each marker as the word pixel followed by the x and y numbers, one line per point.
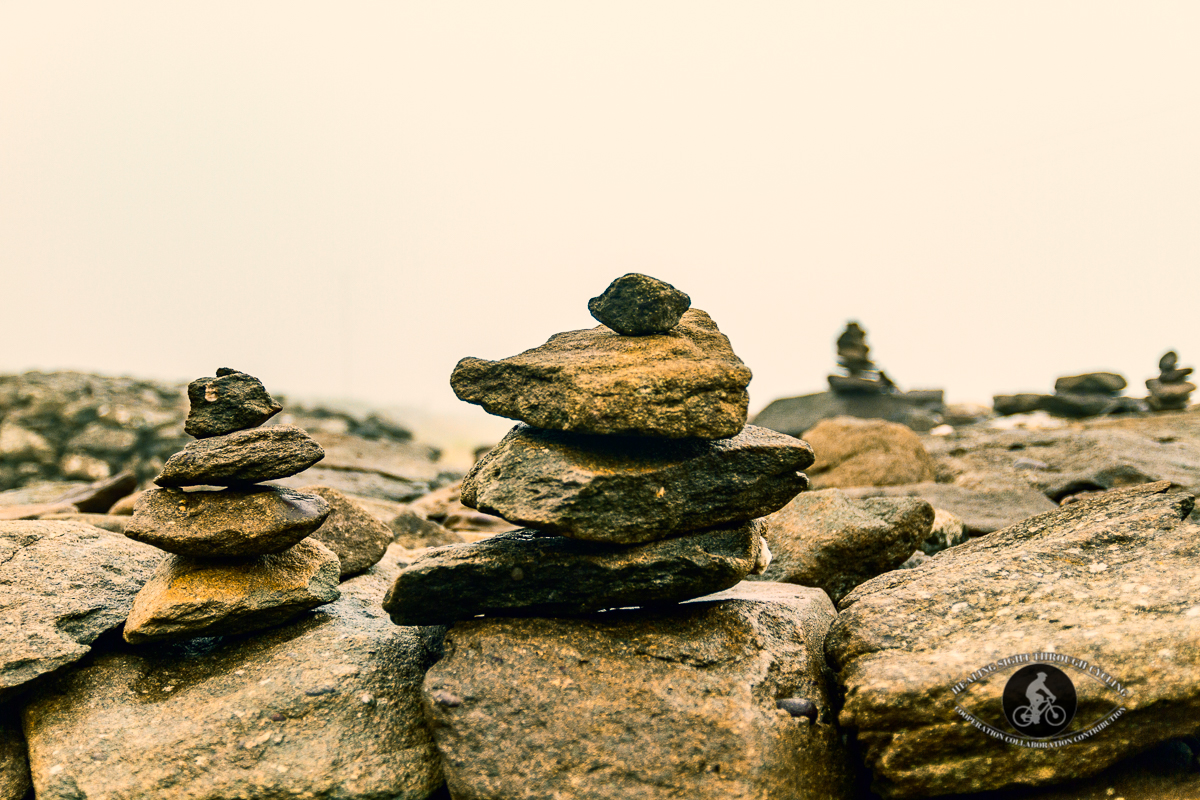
pixel 232 401
pixel 188 597
pixel 1078 406
pixel 1112 581
pixel 358 539
pixel 638 305
pixel 1008 404
pixel 626 489
pixel 795 415
pixel 325 707
pixel 981 511
pixel 534 573
pixel 62 585
pixel 253 456
pixel 1090 383
pixel 684 383
pixel 646 704
pixel 14 765
pixel 231 522
pixel 825 539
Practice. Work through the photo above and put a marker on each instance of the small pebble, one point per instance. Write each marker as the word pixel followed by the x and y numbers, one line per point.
pixel 799 707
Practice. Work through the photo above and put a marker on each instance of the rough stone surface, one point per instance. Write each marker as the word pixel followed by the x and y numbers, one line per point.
pixel 1090 383
pixel 188 597
pixel 980 511
pixel 947 531
pixel 638 305
pixel 795 415
pixel 232 401
pixel 1113 581
pixel 253 456
pixel 109 522
pixel 358 539
pixel 383 469
pixel 622 489
pixel 639 704
pixel 62 585
pixel 827 540
pixel 684 383
pixel 857 452
pixel 14 766
pixel 325 707
pixel 230 522
pixel 413 531
pixel 535 573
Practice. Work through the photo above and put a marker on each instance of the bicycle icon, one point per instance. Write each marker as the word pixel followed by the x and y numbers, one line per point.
pixel 1026 716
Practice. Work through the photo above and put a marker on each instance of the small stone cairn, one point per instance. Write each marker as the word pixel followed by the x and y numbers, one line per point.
pixel 634 470
pixel 1091 394
pixel 1170 390
pixel 240 557
pixel 861 375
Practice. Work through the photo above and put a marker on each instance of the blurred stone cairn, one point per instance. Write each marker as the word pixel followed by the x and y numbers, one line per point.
pixel 641 485
pixel 862 376
pixel 240 557
pixel 1170 390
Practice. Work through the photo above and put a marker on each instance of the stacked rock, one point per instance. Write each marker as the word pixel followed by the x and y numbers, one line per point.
pixel 1170 390
pixel 635 472
pixel 1088 395
pixel 862 376
pixel 240 557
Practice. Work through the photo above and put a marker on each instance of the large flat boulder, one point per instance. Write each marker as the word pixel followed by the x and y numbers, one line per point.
pixel 1112 582
pixel 641 704
pixel 921 411
pixel 683 383
pixel 535 573
pixel 62 585
pixel 625 489
pixel 326 707
pixel 827 540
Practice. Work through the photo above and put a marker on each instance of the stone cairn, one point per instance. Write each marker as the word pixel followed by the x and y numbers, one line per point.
pixel 1091 394
pixel 635 471
pixel 861 375
pixel 240 557
pixel 1170 390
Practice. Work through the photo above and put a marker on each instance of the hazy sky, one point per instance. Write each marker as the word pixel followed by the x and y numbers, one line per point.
pixel 346 198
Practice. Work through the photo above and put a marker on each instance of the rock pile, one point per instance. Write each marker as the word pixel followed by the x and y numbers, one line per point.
pixel 240 557
pixel 1170 390
pixel 862 376
pixel 636 473
pixel 1091 394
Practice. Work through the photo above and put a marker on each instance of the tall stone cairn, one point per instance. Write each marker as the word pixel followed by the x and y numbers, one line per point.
pixel 241 559
pixel 1170 390
pixel 861 375
pixel 633 470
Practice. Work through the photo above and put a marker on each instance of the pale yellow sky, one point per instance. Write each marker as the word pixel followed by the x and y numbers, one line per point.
pixel 345 198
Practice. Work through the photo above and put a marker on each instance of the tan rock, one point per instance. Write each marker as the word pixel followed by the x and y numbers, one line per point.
pixel 866 452
pixel 187 597
pixel 358 539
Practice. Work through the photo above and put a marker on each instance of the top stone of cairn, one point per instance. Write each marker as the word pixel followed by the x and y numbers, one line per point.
pixel 638 305
pixel 231 401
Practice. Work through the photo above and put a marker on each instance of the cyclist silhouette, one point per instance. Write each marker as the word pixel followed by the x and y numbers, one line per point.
pixel 1040 699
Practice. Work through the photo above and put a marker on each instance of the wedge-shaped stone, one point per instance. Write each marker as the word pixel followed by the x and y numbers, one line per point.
pixel 231 522
pixel 235 459
pixel 647 704
pixel 1113 581
pixel 326 707
pixel 62 585
pixel 188 597
pixel 638 305
pixel 533 573
pixel 232 401
pixel 686 382
pixel 635 489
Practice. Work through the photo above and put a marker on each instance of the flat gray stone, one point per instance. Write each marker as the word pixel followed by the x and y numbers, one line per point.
pixel 358 539
pixel 648 704
pixel 624 489
pixel 232 401
pixel 62 585
pixel 1113 581
pixel 535 573
pixel 325 707
pixel 235 459
pixel 684 383
pixel 638 305
pixel 189 597
pixel 231 522
pixel 830 541
pixel 1090 383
